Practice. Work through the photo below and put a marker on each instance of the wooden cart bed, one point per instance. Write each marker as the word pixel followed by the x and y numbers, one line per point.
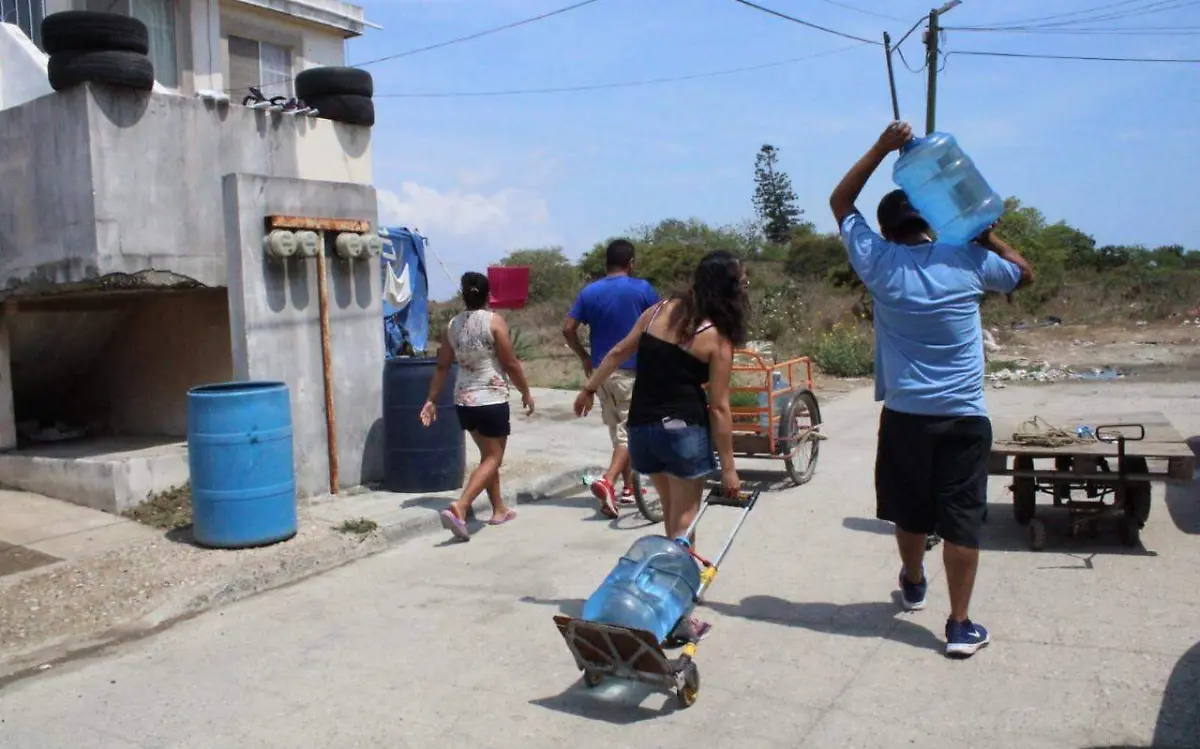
pixel 1162 443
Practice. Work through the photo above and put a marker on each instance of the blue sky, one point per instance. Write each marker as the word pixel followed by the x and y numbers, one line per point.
pixel 1109 147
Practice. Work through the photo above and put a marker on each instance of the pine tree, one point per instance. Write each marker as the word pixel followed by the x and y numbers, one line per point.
pixel 774 200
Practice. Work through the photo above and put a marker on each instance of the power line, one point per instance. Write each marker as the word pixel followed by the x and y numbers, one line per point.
pixel 1158 6
pixel 864 11
pixel 1129 31
pixel 618 84
pixel 448 42
pixel 1074 57
pixel 477 35
pixel 818 27
pixel 1037 19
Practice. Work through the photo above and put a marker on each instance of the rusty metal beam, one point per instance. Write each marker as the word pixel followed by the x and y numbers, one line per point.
pixel 298 223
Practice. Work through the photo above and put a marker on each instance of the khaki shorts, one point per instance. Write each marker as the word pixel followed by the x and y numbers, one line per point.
pixel 615 396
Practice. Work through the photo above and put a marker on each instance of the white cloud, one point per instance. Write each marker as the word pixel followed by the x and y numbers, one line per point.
pixel 507 213
pixel 467 229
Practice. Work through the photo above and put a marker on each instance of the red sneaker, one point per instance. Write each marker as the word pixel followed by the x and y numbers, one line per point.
pixel 603 491
pixel 626 497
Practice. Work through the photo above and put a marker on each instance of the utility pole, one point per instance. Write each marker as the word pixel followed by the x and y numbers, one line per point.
pixel 931 62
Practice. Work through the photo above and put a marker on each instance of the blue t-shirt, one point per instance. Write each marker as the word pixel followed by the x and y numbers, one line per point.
pixel 611 307
pixel 928 334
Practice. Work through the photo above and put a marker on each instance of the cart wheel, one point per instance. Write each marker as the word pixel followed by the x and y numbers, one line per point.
pixel 1076 531
pixel 803 415
pixel 646 496
pixel 1094 529
pixel 691 685
pixel 1137 494
pixel 593 678
pixel 1024 491
pixel 1037 534
pixel 931 541
pixel 1130 530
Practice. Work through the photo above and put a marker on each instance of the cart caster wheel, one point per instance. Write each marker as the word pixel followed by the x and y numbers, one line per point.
pixel 1093 529
pixel 691 685
pixel 1131 534
pixel 1037 534
pixel 593 678
pixel 1076 531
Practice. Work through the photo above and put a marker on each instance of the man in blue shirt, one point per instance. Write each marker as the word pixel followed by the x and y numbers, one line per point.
pixel 934 432
pixel 610 307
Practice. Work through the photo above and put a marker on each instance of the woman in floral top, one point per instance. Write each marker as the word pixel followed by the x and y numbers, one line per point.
pixel 478 340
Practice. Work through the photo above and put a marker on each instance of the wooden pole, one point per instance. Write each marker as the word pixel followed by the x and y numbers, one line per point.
pixel 327 367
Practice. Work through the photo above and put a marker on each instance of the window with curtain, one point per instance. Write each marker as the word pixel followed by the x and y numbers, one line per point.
pixel 27 15
pixel 263 65
pixel 159 17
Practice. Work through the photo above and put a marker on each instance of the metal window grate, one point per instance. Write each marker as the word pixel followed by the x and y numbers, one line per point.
pixel 27 14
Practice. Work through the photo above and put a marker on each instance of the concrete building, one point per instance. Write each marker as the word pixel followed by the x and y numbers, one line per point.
pixel 131 249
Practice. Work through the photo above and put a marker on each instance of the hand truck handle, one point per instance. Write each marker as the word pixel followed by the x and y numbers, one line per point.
pixel 1116 432
pixel 745 498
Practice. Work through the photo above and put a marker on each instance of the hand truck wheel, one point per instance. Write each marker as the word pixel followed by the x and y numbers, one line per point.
pixel 690 689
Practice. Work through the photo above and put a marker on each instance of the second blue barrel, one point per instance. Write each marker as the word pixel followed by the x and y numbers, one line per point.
pixel 418 459
pixel 240 459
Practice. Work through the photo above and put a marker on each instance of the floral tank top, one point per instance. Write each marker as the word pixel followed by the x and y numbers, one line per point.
pixel 479 381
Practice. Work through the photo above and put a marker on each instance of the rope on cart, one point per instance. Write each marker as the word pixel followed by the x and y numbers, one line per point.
pixel 1038 432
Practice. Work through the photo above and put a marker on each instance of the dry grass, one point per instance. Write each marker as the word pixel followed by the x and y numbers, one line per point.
pixel 168 510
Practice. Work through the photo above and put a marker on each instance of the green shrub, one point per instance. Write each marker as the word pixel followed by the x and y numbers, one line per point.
pixel 845 351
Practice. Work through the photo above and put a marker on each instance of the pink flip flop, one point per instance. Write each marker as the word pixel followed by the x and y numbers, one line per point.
pixel 502 519
pixel 452 523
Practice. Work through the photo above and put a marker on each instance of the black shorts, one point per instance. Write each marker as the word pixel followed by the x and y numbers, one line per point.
pixel 931 474
pixel 489 421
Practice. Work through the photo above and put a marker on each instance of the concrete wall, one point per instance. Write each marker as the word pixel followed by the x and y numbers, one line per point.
pixel 83 198
pixel 274 316
pixel 168 344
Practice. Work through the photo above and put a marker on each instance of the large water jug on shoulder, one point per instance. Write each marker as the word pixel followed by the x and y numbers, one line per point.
pixel 944 186
pixel 652 586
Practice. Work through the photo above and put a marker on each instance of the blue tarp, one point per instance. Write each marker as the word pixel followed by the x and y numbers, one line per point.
pixel 403 246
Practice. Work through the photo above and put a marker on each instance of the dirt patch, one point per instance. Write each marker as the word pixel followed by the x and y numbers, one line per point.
pixel 1163 351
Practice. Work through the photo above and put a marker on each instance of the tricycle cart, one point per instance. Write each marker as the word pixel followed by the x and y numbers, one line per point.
pixel 1107 460
pixel 785 423
pixel 782 423
pixel 607 651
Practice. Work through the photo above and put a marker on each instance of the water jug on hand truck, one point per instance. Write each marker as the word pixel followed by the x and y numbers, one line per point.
pixel 629 621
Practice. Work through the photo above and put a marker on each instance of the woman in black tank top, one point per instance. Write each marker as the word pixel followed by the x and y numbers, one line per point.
pixel 682 345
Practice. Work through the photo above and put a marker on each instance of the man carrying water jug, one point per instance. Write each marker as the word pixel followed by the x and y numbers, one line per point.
pixel 610 307
pixel 934 432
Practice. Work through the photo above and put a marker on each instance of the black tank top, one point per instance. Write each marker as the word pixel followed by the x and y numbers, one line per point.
pixel 670 382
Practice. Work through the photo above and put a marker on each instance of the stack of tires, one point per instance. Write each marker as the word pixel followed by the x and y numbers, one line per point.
pixel 90 47
pixel 339 94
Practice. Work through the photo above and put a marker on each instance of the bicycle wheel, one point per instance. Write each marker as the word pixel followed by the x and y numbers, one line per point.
pixel 646 496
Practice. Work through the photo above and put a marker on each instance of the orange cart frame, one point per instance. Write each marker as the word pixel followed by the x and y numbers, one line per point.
pixel 788 390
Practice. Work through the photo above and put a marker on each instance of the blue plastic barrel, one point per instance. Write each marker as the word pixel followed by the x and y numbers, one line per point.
pixel 418 459
pixel 240 458
pixel 944 186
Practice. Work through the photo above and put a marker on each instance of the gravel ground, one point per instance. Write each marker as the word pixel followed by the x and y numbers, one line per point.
pixel 69 605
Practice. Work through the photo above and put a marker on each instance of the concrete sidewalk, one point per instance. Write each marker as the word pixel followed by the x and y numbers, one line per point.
pixel 436 643
pixel 78 579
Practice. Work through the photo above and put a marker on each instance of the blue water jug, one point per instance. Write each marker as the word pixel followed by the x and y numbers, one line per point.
pixel 776 386
pixel 944 186
pixel 650 589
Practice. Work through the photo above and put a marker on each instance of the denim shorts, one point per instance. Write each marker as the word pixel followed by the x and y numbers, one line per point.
pixel 685 452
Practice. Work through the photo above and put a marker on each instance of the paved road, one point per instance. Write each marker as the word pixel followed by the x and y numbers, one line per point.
pixel 434 644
